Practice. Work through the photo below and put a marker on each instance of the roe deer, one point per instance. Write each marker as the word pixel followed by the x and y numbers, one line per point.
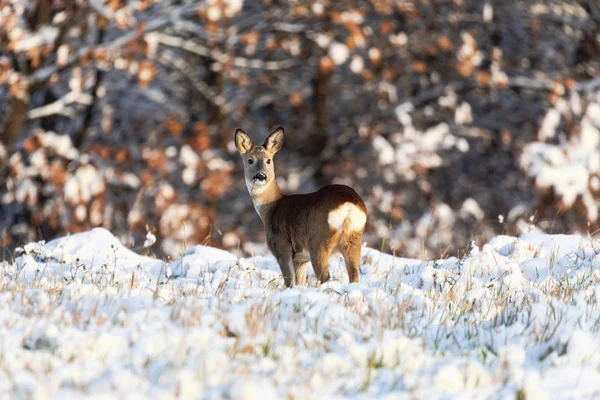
pixel 302 227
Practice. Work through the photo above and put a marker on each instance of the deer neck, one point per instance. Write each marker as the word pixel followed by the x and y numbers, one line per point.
pixel 265 199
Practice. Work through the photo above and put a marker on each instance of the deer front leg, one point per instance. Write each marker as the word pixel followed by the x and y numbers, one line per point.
pixel 284 258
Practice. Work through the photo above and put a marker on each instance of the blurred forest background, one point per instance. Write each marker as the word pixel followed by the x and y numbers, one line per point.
pixel 455 119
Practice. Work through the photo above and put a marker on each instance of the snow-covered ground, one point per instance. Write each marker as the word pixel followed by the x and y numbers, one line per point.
pixel 518 318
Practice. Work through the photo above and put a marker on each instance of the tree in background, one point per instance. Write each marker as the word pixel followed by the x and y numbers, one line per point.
pixel 121 114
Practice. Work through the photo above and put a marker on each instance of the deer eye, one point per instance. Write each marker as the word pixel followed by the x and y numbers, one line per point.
pixel 251 161
pixel 269 161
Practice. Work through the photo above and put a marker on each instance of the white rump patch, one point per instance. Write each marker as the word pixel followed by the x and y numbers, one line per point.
pixel 355 216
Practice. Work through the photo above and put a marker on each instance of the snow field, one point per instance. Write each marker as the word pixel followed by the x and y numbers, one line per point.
pixel 83 315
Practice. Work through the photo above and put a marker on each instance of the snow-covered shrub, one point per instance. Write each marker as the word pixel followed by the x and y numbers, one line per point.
pixel 569 168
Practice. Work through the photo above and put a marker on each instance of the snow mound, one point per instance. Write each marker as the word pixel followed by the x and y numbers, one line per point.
pixel 98 244
pixel 200 258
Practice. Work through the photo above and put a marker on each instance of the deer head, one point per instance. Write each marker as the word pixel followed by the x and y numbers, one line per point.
pixel 259 168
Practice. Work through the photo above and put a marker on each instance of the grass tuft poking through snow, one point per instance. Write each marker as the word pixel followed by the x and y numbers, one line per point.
pixel 84 316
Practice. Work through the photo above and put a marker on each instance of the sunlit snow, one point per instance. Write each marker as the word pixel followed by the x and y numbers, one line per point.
pixel 84 315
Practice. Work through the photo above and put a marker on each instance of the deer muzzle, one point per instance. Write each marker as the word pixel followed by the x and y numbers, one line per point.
pixel 260 177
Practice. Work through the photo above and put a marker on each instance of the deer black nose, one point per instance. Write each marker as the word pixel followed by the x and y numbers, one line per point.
pixel 260 177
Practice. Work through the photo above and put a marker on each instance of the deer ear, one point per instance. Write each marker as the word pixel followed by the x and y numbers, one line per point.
pixel 242 141
pixel 274 141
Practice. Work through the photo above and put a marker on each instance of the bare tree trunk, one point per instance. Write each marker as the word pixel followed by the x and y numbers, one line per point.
pixel 321 93
pixel 42 14
pixel 82 135
pixel 20 101
pixel 218 117
pixel 319 140
pixel 217 113
pixel 15 122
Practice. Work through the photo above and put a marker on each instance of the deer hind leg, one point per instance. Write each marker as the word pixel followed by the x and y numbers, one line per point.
pixel 319 257
pixel 350 247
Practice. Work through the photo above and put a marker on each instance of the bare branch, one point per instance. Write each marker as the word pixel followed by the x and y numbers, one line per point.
pixel 220 57
pixel 439 90
pixel 521 82
pixel 102 9
pixel 588 86
pixel 289 27
pixel 196 29
pixel 168 58
pixel 60 106
pixel 43 74
pixel 529 83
